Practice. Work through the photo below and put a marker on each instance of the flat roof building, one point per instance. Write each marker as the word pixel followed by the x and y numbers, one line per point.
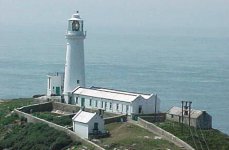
pixel 114 101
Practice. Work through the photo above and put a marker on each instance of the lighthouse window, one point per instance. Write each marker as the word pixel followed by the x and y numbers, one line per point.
pixel 78 81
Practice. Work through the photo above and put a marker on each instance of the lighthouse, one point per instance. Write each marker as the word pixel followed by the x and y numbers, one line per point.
pixel 74 66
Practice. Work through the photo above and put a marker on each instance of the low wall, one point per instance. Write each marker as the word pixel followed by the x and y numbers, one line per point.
pixel 70 133
pixel 119 118
pixel 168 136
pixel 149 117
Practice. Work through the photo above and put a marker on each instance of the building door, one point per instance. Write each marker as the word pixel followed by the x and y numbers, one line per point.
pixel 58 91
pixel 82 102
pixel 140 109
pixel 96 126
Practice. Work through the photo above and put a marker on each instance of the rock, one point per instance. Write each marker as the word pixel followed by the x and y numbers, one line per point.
pixel 95 140
pixel 157 137
pixel 106 146
pixel 146 137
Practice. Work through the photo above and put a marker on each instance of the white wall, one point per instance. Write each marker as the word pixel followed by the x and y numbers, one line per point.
pixel 54 81
pixel 148 105
pixel 100 122
pixel 81 129
pixel 121 108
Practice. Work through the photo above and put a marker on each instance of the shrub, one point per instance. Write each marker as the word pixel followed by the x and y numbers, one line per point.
pixel 35 136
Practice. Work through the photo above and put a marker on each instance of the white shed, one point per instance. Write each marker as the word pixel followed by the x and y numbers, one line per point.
pixel 55 84
pixel 85 123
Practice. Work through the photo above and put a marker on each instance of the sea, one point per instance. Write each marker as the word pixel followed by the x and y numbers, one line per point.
pixel 176 67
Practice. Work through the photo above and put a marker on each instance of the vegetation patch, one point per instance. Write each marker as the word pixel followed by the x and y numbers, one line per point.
pixel 55 118
pixel 129 136
pixel 15 133
pixel 197 138
pixel 35 136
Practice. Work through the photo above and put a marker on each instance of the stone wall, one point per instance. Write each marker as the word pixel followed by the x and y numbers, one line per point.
pixel 166 135
pixel 149 117
pixel 160 117
pixel 65 107
pixel 70 133
pixel 120 118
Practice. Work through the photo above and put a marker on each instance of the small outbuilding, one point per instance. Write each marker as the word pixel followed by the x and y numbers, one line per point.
pixel 86 123
pixel 198 118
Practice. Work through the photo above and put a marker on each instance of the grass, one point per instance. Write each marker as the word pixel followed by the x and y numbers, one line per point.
pixel 55 118
pixel 8 105
pixel 129 136
pixel 196 137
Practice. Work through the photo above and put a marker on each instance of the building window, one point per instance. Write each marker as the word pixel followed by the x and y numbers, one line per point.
pixel 185 112
pixel 78 81
pixel 110 105
pixel 127 108
pixel 49 82
pixel 101 104
pixel 117 106
pixel 105 105
pixel 96 103
pixel 171 116
pixel 76 100
pixel 90 102
pixel 82 102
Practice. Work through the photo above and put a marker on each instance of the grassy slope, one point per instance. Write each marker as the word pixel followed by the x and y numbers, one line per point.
pixel 10 131
pixel 214 138
pixel 129 136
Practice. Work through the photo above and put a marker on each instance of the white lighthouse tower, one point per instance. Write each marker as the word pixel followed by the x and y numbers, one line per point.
pixel 74 67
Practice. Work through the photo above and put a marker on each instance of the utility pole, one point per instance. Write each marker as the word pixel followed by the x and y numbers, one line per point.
pixel 185 110
pixel 189 113
pixel 182 115
pixel 155 109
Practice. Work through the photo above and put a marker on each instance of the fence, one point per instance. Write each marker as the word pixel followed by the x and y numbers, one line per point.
pixel 168 136
pixel 70 133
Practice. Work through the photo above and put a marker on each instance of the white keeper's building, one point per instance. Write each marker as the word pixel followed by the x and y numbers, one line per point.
pixel 71 84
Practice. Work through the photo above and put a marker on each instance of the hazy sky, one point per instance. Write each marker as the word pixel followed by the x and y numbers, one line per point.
pixel 118 14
